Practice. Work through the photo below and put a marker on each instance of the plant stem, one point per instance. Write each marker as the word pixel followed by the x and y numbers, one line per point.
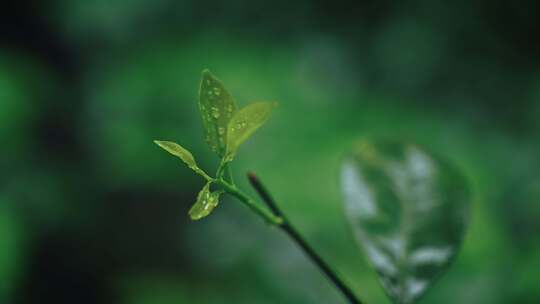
pixel 231 176
pixel 277 218
pixel 221 168
pixel 301 242
pixel 268 216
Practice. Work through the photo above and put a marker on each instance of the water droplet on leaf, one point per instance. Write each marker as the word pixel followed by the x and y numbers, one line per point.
pixel 215 112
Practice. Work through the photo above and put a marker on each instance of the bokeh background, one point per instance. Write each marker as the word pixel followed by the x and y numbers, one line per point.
pixel 91 211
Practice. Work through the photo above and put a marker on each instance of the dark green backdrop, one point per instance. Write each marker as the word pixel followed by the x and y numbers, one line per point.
pixel 91 211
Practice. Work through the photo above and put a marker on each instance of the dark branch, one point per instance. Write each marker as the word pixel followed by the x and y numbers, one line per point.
pixel 292 232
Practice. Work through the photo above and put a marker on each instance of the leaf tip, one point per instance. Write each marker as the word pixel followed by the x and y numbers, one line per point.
pixel 194 217
pixel 206 73
pixel 159 142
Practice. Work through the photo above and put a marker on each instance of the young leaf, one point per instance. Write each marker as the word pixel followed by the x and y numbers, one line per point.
pixel 206 202
pixel 244 123
pixel 409 212
pixel 186 156
pixel 217 106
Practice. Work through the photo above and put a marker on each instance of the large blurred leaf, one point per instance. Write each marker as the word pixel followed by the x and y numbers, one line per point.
pixel 217 106
pixel 409 212
pixel 245 122
pixel 180 152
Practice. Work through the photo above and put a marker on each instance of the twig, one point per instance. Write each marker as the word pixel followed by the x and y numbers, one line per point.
pixel 287 227
pixel 267 215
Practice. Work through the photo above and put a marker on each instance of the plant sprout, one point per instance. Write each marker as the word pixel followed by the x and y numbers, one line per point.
pixel 409 210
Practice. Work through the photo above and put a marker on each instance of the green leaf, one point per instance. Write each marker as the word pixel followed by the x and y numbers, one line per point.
pixel 206 202
pixel 217 106
pixel 186 156
pixel 409 211
pixel 244 123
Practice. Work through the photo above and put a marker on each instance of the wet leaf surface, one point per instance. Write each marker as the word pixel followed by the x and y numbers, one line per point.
pixel 179 151
pixel 409 212
pixel 245 122
pixel 217 106
pixel 205 204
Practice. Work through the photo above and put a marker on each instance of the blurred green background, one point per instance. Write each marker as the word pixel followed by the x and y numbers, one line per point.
pixel 91 211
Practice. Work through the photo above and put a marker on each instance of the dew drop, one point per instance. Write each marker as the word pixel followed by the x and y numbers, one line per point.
pixel 221 130
pixel 217 91
pixel 215 112
pixel 241 125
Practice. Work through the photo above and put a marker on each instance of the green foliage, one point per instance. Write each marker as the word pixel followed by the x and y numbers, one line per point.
pixel 141 84
pixel 217 106
pixel 186 156
pixel 206 202
pixel 409 211
pixel 226 129
pixel 244 123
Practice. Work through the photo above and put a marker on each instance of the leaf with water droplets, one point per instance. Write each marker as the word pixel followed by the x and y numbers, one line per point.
pixel 186 156
pixel 409 211
pixel 217 106
pixel 244 123
pixel 205 204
